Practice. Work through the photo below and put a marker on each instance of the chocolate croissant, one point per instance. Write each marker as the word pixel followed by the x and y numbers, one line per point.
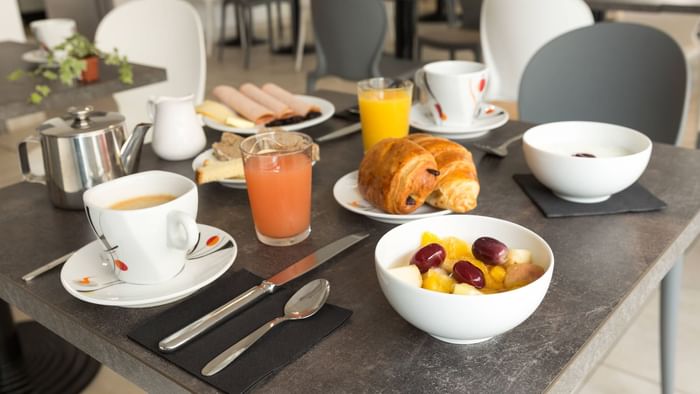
pixel 396 175
pixel 458 185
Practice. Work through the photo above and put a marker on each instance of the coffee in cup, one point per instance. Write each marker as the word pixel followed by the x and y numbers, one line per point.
pixel 452 90
pixel 146 224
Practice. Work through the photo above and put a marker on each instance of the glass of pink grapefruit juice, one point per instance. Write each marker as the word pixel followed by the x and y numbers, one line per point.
pixel 277 168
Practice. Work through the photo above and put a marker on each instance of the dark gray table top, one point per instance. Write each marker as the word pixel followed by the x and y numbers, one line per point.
pixel 14 94
pixel 607 267
pixel 684 6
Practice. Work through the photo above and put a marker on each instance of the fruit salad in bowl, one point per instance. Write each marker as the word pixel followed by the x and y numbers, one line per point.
pixel 463 278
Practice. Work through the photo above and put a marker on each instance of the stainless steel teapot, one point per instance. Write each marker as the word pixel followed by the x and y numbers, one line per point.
pixel 82 149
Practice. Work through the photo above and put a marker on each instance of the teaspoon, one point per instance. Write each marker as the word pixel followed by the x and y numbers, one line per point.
pixel 304 303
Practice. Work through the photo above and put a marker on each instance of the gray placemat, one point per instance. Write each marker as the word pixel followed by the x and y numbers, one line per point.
pixel 278 348
pixel 635 198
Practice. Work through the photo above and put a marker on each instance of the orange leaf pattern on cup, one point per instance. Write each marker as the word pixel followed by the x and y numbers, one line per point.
pixel 482 84
pixel 121 265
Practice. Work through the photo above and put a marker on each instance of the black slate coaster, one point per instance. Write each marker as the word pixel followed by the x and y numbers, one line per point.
pixel 635 198
pixel 282 345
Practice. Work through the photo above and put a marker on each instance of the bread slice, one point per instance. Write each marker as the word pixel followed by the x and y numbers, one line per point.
pixel 214 171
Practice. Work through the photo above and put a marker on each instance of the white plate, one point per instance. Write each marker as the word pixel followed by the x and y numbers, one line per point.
pixel 327 110
pixel 209 155
pixel 348 196
pixel 204 265
pixel 421 119
pixel 37 56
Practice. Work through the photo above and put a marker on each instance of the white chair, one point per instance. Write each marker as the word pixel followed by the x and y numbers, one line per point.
pixel 11 28
pixel 512 31
pixel 160 33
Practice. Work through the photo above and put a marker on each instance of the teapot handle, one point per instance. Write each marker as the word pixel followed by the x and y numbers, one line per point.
pixel 24 161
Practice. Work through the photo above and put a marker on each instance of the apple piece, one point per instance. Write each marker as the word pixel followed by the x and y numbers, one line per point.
pixel 519 256
pixel 408 274
pixel 518 275
pixel 437 279
pixel 465 289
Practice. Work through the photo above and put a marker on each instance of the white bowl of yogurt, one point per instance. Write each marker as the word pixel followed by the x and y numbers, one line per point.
pixel 586 162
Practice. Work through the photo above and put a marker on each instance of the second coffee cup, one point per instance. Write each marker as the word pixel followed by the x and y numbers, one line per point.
pixel 146 224
pixel 453 90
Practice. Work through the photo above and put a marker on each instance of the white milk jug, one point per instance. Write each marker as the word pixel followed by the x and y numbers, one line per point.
pixel 177 131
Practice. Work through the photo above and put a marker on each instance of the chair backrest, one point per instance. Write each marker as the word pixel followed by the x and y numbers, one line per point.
pixel 621 73
pixel 11 28
pixel 161 33
pixel 512 31
pixel 349 38
pixel 471 13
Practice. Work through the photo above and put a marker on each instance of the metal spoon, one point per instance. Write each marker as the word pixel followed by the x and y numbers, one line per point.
pixel 304 303
pixel 500 150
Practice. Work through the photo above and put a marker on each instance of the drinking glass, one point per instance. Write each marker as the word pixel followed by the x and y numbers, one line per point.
pixel 277 166
pixel 385 107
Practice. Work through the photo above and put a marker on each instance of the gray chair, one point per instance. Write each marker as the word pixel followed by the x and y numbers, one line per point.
pixel 621 73
pixel 349 38
pixel 243 13
pixel 464 36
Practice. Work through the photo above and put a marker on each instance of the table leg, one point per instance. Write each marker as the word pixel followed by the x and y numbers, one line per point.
pixel 33 359
pixel 405 28
pixel 670 296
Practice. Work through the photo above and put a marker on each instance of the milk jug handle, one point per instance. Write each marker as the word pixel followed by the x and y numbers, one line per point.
pixel 27 173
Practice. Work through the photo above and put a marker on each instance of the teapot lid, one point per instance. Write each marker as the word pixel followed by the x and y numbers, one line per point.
pixel 81 120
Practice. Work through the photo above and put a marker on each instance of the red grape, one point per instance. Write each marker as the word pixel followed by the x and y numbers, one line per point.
pixel 430 255
pixel 490 251
pixel 466 272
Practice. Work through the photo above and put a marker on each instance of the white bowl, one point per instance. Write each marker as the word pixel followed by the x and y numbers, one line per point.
pixel 461 318
pixel 621 153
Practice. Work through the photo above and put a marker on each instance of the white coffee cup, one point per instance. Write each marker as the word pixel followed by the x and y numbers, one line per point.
pixel 146 245
pixel 453 90
pixel 52 32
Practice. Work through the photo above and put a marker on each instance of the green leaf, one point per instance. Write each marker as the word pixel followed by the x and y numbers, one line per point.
pixel 43 90
pixel 35 98
pixel 50 75
pixel 15 75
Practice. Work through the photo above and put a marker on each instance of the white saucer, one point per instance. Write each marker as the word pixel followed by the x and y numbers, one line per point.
pixel 422 119
pixel 348 196
pixel 36 56
pixel 209 155
pixel 204 265
pixel 327 110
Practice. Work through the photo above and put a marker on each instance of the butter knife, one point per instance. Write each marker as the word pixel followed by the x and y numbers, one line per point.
pixel 47 267
pixel 340 132
pixel 211 319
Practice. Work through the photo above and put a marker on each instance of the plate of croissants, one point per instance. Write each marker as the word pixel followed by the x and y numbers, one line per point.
pixel 247 109
pixel 403 179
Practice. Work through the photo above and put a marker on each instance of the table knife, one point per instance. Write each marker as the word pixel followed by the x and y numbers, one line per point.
pixel 47 267
pixel 306 264
pixel 340 132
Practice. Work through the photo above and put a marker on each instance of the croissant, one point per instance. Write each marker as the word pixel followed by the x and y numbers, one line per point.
pixel 396 175
pixel 458 185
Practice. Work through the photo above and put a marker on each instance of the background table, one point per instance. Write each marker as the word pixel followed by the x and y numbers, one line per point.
pixel 606 268
pixel 14 94
pixel 688 6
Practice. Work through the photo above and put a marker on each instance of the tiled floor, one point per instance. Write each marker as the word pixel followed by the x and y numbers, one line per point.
pixel 633 364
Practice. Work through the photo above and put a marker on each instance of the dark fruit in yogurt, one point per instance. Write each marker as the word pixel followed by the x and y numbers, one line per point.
pixel 490 251
pixel 589 155
pixel 466 272
pixel 430 255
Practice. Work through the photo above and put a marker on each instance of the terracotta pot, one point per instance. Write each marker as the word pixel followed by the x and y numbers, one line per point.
pixel 92 72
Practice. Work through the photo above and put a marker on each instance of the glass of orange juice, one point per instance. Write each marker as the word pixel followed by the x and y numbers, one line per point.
pixel 277 166
pixel 385 106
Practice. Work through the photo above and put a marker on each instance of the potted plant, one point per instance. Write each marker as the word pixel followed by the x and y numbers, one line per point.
pixel 77 58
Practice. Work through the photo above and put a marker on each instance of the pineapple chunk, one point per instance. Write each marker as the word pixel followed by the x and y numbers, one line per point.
pixel 519 256
pixel 456 248
pixel 437 279
pixel 465 289
pixel 408 274
pixel 498 273
pixel 429 238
